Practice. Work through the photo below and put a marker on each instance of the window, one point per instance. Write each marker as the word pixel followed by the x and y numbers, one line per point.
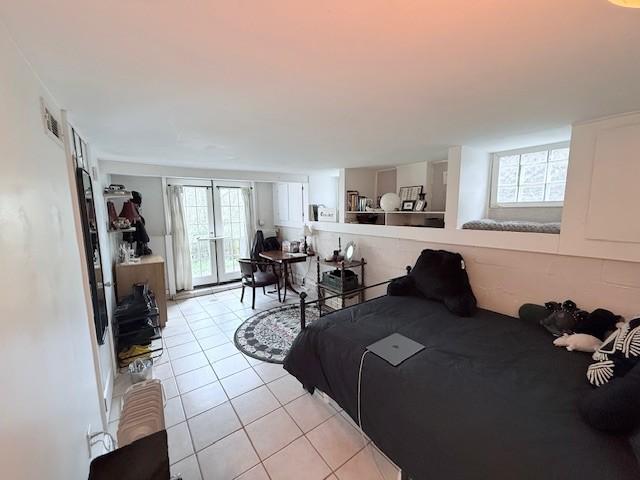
pixel 532 177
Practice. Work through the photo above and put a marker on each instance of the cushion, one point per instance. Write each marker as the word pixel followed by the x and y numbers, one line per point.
pixel 403 287
pixel 532 312
pixel 598 323
pixel 441 275
pixel 614 407
pixel 262 279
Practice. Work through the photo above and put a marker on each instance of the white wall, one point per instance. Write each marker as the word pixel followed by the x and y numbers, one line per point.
pixel 467 185
pixel 323 190
pixel 152 208
pixel 361 179
pixel 148 170
pixel 47 369
pixel 386 182
pixel 502 280
pixel 411 175
pixel 437 194
pixel 152 205
pixel 263 194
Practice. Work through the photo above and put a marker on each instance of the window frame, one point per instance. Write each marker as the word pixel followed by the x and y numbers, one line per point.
pixel 495 168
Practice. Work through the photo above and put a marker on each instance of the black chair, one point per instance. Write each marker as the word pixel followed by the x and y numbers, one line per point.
pixel 254 278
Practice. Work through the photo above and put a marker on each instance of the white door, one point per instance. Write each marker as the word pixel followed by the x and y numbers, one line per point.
pixel 230 218
pixel 198 205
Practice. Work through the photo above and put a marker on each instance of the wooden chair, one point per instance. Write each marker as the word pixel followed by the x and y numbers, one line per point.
pixel 254 278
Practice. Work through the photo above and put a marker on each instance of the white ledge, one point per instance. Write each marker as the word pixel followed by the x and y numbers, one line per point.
pixel 530 242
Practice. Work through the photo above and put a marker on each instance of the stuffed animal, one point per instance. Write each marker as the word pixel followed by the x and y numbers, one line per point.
pixel 580 342
pixel 617 355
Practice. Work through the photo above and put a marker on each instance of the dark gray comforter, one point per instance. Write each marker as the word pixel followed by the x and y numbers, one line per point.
pixel 489 398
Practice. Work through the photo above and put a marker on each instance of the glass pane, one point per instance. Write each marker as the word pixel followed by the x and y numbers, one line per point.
pixel 531 193
pixel 555 192
pixel 509 161
pixel 557 171
pixel 202 196
pixel 559 154
pixel 189 196
pixel 508 175
pixel 202 215
pixel 533 158
pixel 536 173
pixel 224 196
pixel 507 194
pixel 226 214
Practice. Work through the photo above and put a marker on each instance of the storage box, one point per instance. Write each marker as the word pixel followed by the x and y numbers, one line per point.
pixel 333 280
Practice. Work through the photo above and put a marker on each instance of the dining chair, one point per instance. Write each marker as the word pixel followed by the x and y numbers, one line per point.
pixel 254 278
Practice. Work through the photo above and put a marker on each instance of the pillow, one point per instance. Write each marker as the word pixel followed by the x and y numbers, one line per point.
pixel 614 407
pixel 441 275
pixel 598 323
pixel 402 287
pixel 533 313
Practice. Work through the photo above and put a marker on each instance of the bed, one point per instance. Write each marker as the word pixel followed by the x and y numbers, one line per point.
pixel 489 398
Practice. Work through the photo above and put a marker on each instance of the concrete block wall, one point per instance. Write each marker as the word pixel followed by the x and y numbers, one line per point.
pixel 502 280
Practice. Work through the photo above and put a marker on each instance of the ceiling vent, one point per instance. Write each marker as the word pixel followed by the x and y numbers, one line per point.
pixel 51 124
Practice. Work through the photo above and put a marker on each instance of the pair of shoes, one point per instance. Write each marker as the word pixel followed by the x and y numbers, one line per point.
pixel 134 351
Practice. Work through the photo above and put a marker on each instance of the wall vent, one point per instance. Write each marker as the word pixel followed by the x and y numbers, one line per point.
pixel 51 124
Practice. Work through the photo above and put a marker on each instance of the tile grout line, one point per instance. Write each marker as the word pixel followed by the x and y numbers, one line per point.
pixel 281 404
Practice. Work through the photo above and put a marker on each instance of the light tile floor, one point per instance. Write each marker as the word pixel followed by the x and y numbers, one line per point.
pixel 230 416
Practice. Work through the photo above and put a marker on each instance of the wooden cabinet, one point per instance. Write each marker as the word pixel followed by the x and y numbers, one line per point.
pixel 150 269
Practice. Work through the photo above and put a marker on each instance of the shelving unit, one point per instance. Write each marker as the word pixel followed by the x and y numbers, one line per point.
pixel 397 218
pixel 122 194
pixel 124 230
pixel 125 336
pixel 345 296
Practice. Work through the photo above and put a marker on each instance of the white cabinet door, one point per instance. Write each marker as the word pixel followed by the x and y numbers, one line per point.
pixel 282 197
pixel 288 204
pixel 295 204
pixel 614 186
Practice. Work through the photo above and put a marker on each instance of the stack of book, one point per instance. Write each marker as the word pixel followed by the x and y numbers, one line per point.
pixel 352 200
pixel 357 202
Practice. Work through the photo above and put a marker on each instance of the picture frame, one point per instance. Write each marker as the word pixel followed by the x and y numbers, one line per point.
pixel 420 205
pixel 410 193
pixel 408 205
pixel 327 214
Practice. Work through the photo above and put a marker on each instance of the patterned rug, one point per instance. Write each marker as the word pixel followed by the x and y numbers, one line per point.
pixel 268 335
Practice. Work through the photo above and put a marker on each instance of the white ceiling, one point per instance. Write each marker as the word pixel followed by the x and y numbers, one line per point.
pixel 301 85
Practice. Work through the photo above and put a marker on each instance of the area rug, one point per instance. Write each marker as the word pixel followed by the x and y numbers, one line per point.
pixel 268 335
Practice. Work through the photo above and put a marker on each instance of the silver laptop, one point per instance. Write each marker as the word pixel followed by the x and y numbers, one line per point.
pixel 395 348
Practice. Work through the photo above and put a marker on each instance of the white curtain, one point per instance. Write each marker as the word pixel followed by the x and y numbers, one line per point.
pixel 245 250
pixel 181 249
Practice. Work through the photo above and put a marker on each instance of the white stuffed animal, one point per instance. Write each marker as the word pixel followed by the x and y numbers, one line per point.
pixel 578 341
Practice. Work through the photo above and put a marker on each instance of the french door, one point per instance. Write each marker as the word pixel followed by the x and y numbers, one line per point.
pixel 230 213
pixel 198 206
pixel 217 230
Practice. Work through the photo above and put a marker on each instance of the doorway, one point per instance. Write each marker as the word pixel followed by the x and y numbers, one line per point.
pixel 216 216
